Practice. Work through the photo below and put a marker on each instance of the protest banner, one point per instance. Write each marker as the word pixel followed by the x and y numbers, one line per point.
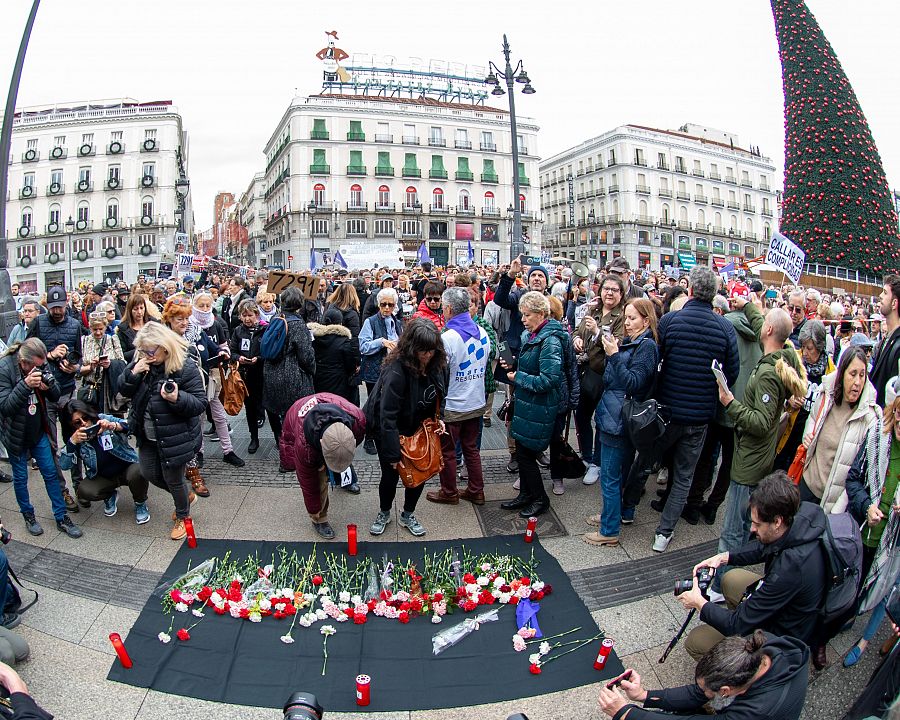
pixel 786 256
pixel 280 280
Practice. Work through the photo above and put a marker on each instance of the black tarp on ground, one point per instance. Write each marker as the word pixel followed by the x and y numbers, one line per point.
pixel 236 661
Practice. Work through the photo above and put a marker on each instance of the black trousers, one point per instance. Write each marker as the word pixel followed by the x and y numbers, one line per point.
pixel 253 402
pixel 531 482
pixel 716 436
pixel 387 487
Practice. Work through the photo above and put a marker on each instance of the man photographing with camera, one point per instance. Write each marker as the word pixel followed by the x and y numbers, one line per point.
pixel 26 389
pixel 787 598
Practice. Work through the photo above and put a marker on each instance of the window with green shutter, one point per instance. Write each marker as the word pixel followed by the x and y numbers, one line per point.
pixel 356 133
pixel 523 179
pixel 319 132
pixel 319 166
pixel 462 169
pixel 356 166
pixel 437 168
pixel 384 167
pixel 410 167
pixel 488 174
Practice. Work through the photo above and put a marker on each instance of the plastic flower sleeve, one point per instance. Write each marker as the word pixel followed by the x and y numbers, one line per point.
pixel 263 585
pixel 448 637
pixel 372 587
pixel 195 578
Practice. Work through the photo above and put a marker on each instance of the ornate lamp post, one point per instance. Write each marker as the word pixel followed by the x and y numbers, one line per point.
pixel 512 75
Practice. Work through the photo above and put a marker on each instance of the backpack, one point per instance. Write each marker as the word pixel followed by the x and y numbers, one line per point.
pixel 274 339
pixel 842 546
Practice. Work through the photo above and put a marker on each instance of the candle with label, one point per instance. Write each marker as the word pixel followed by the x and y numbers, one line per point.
pixel 605 649
pixel 363 688
pixel 351 539
pixel 529 531
pixel 191 537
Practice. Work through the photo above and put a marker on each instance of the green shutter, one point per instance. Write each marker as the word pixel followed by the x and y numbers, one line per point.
pixel 462 169
pixel 356 132
pixel 437 168
pixel 356 166
pixel 523 179
pixel 410 168
pixel 319 132
pixel 384 167
pixel 319 166
pixel 489 175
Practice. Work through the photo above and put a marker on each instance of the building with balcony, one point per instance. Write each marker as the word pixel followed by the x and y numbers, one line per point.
pixel 252 215
pixel 92 192
pixel 658 198
pixel 356 164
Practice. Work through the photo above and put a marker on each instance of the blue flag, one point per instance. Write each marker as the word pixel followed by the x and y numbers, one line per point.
pixel 471 254
pixel 422 256
pixel 339 260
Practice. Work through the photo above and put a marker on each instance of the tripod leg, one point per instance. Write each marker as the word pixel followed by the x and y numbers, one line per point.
pixel 674 641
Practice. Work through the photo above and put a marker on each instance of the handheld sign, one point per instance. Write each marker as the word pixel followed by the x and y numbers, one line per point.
pixel 282 279
pixel 786 256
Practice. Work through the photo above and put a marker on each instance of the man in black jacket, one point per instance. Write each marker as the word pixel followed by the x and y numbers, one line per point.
pixel 787 602
pixel 24 429
pixel 887 355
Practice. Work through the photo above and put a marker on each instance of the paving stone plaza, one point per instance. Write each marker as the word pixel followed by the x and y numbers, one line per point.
pixel 96 585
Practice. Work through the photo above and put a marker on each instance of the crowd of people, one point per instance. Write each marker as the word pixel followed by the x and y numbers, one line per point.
pixel 122 386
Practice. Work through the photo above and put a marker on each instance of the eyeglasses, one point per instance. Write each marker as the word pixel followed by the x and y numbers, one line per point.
pixel 433 298
pixel 611 290
pixel 386 304
pixel 796 308
pixel 150 353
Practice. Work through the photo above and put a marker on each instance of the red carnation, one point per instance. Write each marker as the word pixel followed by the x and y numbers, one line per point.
pixel 403 617
pixel 468 578
pixel 485 598
pixel 244 613
pixel 183 634
pixel 204 594
pixel 514 600
pixel 534 669
pixel 438 597
pixel 290 610
pixel 505 588
pixel 317 580
pixel 371 604
pixel 548 589
pixel 176 596
pixel 536 595
pixel 219 610
pixel 405 606
pixel 359 619
pixel 416 605
pixel 525 580
pixel 278 614
pixel 469 606
pixel 348 612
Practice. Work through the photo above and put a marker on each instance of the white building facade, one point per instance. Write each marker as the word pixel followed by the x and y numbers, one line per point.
pixel 659 198
pixel 110 167
pixel 392 173
pixel 252 215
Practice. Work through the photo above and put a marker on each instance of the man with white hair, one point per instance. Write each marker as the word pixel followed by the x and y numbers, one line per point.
pixel 813 298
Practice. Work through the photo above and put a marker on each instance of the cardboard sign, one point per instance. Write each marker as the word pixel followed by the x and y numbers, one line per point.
pixel 786 256
pixel 280 280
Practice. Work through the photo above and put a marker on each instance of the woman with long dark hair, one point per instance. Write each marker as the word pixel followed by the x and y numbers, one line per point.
pixel 409 390
pixel 138 310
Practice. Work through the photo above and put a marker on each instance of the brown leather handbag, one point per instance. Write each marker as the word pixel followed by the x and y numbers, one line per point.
pixel 233 389
pixel 421 455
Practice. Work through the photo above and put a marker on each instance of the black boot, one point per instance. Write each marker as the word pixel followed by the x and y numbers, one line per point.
pixel 253 446
pixel 538 507
pixel 520 501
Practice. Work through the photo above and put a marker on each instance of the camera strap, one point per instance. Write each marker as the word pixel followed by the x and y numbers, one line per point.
pixel 23 608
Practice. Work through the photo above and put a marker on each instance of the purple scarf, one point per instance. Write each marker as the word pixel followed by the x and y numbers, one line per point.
pixel 464 325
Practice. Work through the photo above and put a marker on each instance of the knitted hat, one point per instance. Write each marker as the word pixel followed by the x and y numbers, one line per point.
pixel 100 289
pixel 539 268
pixel 338 447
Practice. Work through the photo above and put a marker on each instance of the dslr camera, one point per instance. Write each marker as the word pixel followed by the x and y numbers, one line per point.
pixel 48 378
pixel 705 577
pixel 303 705
pixel 169 386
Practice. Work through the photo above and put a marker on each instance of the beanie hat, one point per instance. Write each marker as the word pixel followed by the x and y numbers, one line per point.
pixel 100 289
pixel 539 268
pixel 338 447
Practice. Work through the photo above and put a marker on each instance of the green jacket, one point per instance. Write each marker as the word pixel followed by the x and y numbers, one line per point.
pixel 747 324
pixel 539 374
pixel 776 377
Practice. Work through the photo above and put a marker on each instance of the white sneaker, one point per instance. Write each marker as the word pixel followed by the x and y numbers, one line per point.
pixel 592 475
pixel 662 477
pixel 662 542
pixel 715 597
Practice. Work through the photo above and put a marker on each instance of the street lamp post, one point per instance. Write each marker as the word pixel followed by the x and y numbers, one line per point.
pixel 311 209
pixel 512 75
pixel 70 228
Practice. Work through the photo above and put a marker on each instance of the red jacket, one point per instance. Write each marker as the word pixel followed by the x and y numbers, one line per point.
pixel 426 312
pixel 298 454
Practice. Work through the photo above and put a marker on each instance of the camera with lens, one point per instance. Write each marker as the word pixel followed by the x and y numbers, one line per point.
pixel 302 705
pixel 48 378
pixel 5 535
pixel 705 576
pixel 73 357
pixel 169 387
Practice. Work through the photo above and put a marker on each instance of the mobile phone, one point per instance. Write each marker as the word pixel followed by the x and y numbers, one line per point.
pixel 614 683
pixel 506 354
pixel 103 357
pixel 893 606
pixel 92 431
pixel 529 259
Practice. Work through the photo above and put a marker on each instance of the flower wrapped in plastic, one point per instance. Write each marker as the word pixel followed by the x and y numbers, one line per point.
pixel 448 637
pixel 192 580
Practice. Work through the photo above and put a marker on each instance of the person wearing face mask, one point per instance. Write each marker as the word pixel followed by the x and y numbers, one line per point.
pixel 760 676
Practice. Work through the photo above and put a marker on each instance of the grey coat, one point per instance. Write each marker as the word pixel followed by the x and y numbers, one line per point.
pixel 290 377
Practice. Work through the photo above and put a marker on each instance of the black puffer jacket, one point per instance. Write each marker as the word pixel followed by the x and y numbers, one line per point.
pixel 337 357
pixel 15 397
pixel 67 333
pixel 788 601
pixel 177 424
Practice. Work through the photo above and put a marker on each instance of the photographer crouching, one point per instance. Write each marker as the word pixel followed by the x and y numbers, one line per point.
pixel 786 600
pixel 26 388
pixel 760 676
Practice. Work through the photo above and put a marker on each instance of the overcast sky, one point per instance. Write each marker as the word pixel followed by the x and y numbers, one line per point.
pixel 232 67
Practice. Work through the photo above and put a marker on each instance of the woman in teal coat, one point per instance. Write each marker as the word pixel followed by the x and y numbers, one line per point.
pixel 536 379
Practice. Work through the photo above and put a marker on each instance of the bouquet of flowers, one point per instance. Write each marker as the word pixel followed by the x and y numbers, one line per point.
pixel 452 635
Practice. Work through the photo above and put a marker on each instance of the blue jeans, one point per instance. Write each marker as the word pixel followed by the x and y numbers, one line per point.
pixel 4 580
pixel 43 456
pixel 611 459
pixel 735 525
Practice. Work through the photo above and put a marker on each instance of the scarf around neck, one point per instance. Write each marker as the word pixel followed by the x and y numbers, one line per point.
pixel 464 325
pixel 204 318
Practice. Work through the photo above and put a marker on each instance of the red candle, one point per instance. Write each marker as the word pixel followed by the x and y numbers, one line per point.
pixel 529 531
pixel 351 539
pixel 192 538
pixel 119 646
pixel 605 649
pixel 363 688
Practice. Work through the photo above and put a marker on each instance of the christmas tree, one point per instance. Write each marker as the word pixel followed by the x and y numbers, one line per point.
pixel 837 206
